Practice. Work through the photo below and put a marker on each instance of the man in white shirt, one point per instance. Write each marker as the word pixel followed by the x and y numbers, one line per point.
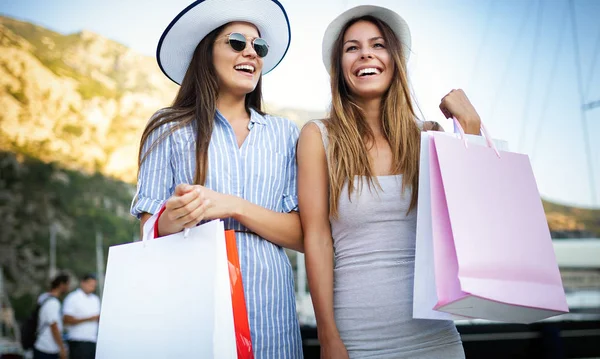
pixel 49 343
pixel 81 311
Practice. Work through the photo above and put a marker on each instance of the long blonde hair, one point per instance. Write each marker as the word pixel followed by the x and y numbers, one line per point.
pixel 349 134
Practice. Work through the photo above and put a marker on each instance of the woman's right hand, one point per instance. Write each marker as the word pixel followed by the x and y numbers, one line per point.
pixel 333 349
pixel 185 209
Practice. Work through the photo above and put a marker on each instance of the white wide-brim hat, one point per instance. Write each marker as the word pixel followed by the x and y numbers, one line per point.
pixel 184 33
pixel 392 19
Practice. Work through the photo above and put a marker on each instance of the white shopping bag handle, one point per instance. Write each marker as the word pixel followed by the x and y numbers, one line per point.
pixel 149 228
pixel 458 129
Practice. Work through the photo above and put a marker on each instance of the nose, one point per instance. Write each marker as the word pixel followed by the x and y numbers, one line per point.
pixel 249 50
pixel 366 53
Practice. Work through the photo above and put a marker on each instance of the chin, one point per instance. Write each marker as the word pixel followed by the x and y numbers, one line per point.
pixel 242 88
pixel 247 89
pixel 369 93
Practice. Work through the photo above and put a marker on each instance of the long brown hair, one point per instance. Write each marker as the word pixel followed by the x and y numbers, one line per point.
pixel 196 103
pixel 350 135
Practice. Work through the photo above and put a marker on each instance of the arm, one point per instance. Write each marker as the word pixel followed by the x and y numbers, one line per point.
pixel 283 229
pixel 71 320
pixel 56 335
pixel 313 198
pixel 70 312
pixel 457 104
pixel 155 178
pixel 50 315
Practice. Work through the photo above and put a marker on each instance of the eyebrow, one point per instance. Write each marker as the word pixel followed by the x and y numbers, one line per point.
pixel 371 39
pixel 245 35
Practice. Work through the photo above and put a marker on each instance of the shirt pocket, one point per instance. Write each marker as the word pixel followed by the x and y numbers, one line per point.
pixel 183 155
pixel 265 177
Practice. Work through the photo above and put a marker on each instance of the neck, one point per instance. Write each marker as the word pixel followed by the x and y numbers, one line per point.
pixel 55 292
pixel 232 107
pixel 372 110
pixel 86 293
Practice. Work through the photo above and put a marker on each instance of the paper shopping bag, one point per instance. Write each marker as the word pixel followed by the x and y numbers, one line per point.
pixel 492 252
pixel 160 298
pixel 424 289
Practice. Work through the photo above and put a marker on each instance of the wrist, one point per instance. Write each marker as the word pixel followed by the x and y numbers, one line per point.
pixel 238 208
pixel 328 334
pixel 473 123
pixel 163 227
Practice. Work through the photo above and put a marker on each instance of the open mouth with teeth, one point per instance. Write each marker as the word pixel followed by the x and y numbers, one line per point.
pixel 245 68
pixel 369 71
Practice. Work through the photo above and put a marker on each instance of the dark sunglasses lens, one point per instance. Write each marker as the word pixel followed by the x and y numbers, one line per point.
pixel 261 47
pixel 237 41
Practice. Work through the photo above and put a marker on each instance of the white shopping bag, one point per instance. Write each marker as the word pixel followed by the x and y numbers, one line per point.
pixel 424 288
pixel 168 297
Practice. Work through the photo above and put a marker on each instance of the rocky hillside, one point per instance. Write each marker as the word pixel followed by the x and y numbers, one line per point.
pixel 572 222
pixel 78 99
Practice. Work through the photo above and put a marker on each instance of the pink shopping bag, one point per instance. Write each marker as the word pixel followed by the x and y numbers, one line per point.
pixel 492 250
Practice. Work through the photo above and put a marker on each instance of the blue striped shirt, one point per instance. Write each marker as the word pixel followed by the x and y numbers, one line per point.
pixel 262 171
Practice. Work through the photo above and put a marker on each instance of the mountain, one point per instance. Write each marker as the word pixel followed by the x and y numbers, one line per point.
pixel 572 222
pixel 80 99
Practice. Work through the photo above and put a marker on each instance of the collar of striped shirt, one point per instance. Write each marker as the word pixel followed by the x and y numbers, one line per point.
pixel 255 117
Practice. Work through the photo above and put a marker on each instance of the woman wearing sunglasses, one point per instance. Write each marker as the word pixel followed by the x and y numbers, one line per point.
pixel 357 185
pixel 214 154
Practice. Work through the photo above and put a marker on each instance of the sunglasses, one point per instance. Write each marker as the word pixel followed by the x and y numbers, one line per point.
pixel 238 43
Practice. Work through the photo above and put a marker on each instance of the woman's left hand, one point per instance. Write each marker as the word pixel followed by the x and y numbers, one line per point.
pixel 221 205
pixel 457 104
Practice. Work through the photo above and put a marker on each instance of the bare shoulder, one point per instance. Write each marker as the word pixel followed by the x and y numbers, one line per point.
pixel 311 141
pixel 314 125
pixel 310 129
pixel 312 132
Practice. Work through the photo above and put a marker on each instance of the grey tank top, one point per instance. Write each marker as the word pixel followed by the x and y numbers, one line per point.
pixel 374 246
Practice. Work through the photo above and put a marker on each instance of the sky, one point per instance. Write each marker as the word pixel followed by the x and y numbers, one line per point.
pixel 515 59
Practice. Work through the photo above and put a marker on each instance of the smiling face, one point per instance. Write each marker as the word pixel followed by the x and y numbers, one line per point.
pixel 367 65
pixel 237 72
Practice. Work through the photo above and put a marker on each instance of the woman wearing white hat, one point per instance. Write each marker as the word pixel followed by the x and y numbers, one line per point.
pixel 357 181
pixel 214 154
